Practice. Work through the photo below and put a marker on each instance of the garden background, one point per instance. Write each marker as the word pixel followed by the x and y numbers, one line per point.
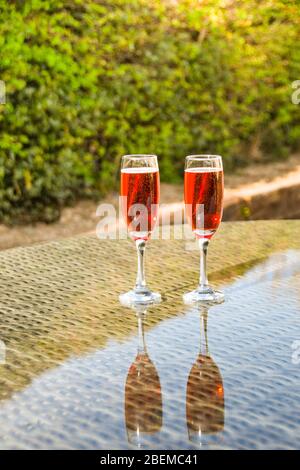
pixel 87 81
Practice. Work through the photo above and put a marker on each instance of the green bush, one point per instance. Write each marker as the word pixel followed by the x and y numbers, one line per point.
pixel 88 81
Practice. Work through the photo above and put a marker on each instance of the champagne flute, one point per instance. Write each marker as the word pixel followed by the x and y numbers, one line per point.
pixel 139 200
pixel 203 196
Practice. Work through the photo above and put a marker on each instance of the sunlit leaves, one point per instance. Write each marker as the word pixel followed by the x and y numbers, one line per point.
pixel 89 80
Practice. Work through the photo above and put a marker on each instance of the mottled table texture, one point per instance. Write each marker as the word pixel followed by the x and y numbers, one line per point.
pixel 79 371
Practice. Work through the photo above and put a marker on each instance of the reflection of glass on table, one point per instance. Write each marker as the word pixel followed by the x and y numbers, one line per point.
pixel 143 397
pixel 205 391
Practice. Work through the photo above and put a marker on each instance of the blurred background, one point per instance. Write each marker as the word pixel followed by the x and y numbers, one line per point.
pixel 88 81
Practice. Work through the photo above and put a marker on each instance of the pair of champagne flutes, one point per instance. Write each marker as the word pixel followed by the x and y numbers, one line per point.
pixel 203 197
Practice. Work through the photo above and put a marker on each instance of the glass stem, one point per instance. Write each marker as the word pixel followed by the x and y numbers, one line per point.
pixel 141 335
pixel 203 332
pixel 140 284
pixel 203 282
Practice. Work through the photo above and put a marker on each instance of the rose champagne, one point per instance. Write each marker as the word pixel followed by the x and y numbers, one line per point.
pixel 203 196
pixel 140 191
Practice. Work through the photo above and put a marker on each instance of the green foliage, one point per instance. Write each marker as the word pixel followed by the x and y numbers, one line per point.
pixel 88 81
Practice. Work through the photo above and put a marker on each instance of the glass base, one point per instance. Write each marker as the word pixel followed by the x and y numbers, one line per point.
pixel 207 296
pixel 134 297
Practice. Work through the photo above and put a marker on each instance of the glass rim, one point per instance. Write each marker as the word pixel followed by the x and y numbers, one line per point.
pixel 139 155
pixel 203 157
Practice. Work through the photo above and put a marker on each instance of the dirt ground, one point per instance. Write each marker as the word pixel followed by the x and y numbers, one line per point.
pixel 265 180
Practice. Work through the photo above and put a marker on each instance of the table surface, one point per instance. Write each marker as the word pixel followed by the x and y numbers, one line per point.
pixel 79 371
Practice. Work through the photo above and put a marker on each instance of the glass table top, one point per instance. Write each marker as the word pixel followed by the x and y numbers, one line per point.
pixel 80 371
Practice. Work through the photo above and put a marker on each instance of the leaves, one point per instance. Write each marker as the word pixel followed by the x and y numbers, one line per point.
pixel 87 81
